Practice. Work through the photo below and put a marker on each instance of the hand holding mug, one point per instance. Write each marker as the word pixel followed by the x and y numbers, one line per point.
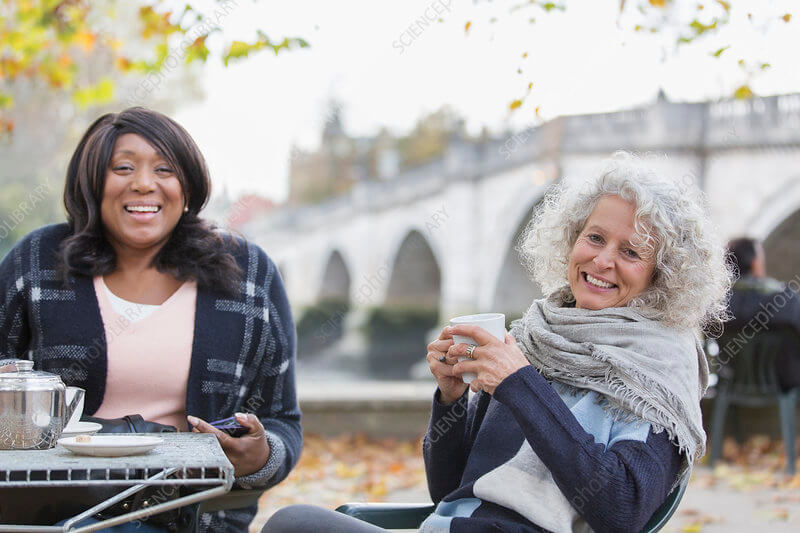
pixel 451 386
pixel 492 360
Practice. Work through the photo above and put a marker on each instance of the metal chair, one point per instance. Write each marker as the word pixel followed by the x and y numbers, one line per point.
pixel 235 499
pixel 748 376
pixel 411 515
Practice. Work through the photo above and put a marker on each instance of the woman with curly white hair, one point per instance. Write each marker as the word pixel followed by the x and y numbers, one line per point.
pixel 588 414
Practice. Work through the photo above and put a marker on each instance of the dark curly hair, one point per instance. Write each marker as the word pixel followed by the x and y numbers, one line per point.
pixel 195 250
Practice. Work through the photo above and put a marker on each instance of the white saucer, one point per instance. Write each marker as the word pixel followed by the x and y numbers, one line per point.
pixel 81 428
pixel 111 445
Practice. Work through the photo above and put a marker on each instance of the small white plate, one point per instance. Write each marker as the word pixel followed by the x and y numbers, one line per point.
pixel 111 445
pixel 81 428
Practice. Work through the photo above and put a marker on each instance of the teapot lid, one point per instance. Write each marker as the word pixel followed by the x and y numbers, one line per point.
pixel 16 371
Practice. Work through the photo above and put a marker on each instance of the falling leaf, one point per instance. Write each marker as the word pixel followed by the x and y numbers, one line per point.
pixel 725 5
pixel 787 17
pixel 694 527
pixel 519 70
pixel 467 26
pixel 525 55
pixel 530 86
pixel 740 62
pixel 621 6
pixel 515 105
pixel 743 93
pixel 658 3
pixel 700 7
pixel 492 20
pixel 719 52
pixel 765 66
pixel 549 6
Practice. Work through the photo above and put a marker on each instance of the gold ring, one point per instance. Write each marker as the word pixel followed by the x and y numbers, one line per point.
pixel 470 349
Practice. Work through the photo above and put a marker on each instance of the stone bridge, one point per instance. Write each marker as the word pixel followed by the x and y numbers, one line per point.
pixel 443 236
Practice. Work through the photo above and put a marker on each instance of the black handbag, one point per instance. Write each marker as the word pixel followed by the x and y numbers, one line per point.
pixel 175 520
pixel 129 424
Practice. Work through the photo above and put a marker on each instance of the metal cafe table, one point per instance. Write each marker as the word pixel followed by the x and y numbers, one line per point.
pixel 192 460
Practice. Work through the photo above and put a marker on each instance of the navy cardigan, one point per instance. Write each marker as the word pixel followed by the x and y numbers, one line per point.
pixel 243 350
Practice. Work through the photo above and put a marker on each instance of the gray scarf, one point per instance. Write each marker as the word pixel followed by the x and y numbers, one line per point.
pixel 642 368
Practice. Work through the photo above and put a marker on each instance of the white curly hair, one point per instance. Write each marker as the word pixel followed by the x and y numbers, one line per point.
pixel 691 279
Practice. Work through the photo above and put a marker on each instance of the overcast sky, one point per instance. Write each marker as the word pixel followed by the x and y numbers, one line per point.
pixel 387 65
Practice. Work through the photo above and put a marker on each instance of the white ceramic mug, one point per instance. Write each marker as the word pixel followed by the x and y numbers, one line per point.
pixel 494 323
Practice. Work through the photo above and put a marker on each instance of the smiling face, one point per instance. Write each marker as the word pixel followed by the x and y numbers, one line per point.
pixel 608 265
pixel 142 197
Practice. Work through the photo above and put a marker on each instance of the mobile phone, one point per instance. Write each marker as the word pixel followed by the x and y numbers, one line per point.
pixel 234 430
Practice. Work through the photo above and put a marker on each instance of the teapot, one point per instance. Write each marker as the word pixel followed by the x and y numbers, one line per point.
pixel 33 406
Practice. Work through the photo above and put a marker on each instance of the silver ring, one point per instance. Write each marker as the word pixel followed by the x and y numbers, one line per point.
pixel 470 349
pixel 442 359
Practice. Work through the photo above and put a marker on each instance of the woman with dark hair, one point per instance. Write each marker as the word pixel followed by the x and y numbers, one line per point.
pixel 151 309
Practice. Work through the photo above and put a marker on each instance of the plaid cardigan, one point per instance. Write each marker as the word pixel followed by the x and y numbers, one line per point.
pixel 243 350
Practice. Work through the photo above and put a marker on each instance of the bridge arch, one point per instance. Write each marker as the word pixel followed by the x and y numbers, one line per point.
pixel 776 209
pixel 398 331
pixel 322 323
pixel 415 280
pixel 782 249
pixel 335 282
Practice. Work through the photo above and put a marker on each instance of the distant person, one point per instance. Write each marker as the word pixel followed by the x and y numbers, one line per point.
pixel 759 302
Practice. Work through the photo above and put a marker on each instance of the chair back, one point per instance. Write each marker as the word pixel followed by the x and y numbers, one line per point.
pixel 667 509
pixel 747 363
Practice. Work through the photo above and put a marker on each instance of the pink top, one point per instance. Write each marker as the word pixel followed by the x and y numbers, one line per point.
pixel 148 358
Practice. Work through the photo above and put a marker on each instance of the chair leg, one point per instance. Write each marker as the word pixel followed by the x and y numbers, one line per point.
pixel 718 426
pixel 787 404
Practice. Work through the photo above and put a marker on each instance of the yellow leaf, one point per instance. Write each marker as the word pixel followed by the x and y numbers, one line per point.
pixel 515 105
pixel 658 3
pixel 85 40
pixel 525 55
pixel 694 527
pixel 787 17
pixel 725 5
pixel 122 63
pixel 64 60
pixel 467 26
pixel 719 52
pixel 743 93
pixel 101 93
pixel 530 86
